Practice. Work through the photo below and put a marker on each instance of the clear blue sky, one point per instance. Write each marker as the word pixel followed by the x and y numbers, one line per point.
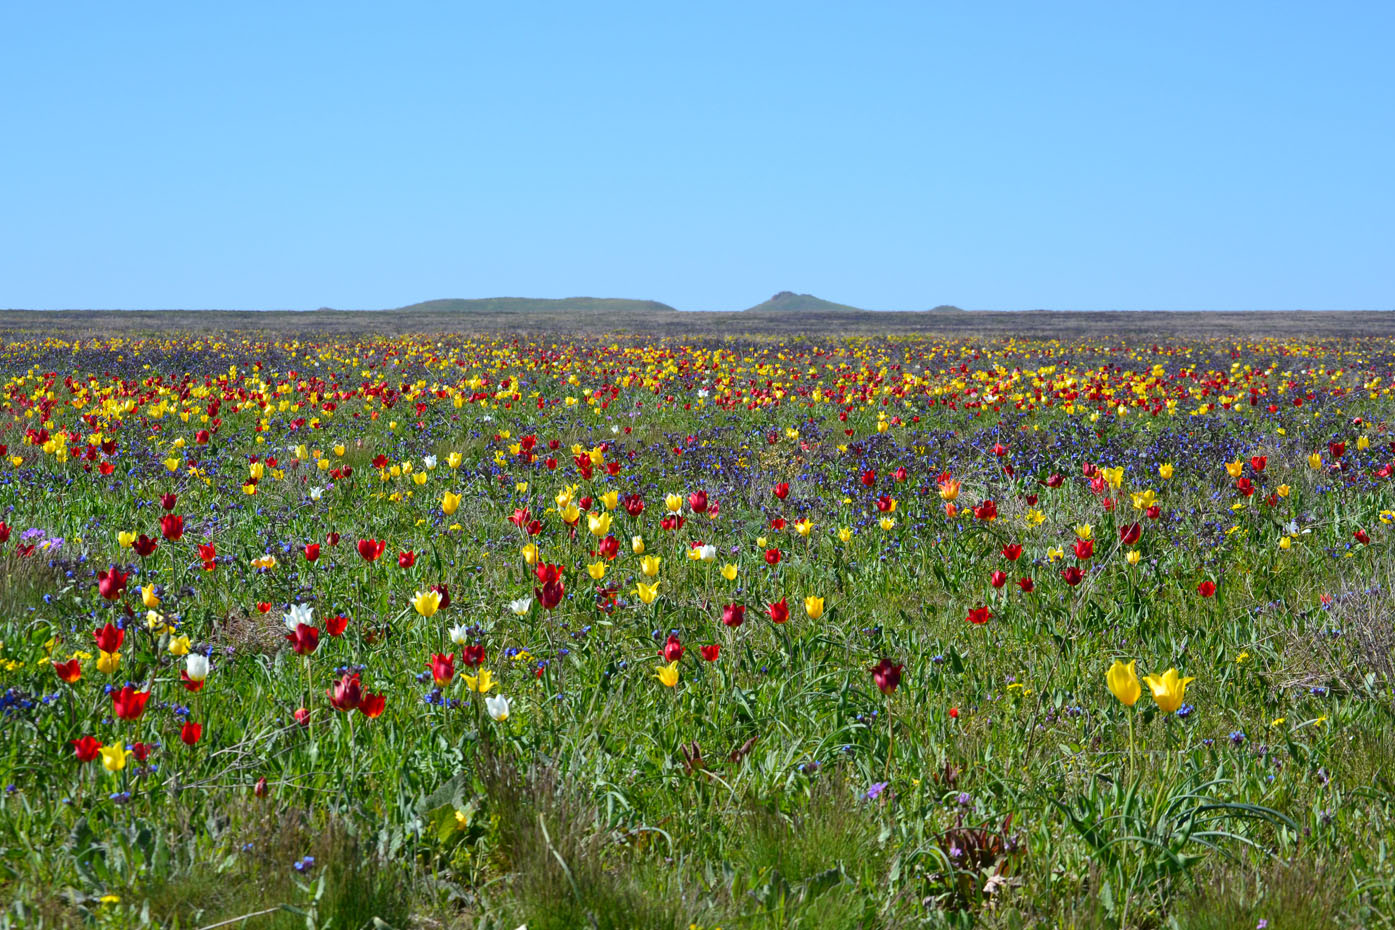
pixel 891 155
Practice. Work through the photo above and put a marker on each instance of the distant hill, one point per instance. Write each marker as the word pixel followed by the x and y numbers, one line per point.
pixel 489 305
pixel 786 301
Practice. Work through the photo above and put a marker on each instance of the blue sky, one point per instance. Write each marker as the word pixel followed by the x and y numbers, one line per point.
pixel 892 155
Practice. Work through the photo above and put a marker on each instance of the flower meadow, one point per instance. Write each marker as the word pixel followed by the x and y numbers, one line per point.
pixel 744 632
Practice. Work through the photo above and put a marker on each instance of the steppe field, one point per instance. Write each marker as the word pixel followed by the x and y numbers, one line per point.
pixel 968 620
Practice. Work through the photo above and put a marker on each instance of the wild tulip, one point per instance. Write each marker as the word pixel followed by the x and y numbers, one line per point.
pixel 190 733
pixel 312 552
pixel 886 676
pixel 371 549
pixel 372 705
pixel 473 655
pixel 672 650
pixel 336 625
pixel 733 615
pixel 1206 588
pixel 1084 548
pixel 697 502
pixel 813 606
pixel 114 758
pixel 979 615
pixel 304 639
pixel 195 671
pixel 128 703
pixel 998 579
pixel 86 748
pixel 497 707
pixel 141 751
pixel 986 511
pixel 668 674
pixel 779 611
pixel 442 668
pixel 346 693
pixel 149 596
pixel 406 559
pixel 172 527
pixel 647 592
pixel 609 547
pixel 1026 584
pixel 1123 682
pixel 729 572
pixel 772 557
pixel 1168 690
pixel 302 716
pixel 1072 576
pixel 108 662
pixel 1362 537
pixel 480 683
pixel 781 490
pixel 450 503
pixel 109 637
pixel 1130 534
pixel 111 584
pixel 426 603
pixel 69 671
pixel 710 652
pixel 1012 552
pixel 144 546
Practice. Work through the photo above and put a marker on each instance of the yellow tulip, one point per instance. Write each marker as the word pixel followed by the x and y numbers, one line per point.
pixel 1285 542
pixel 637 545
pixel 1168 690
pixel 610 499
pixel 1234 469
pixel 480 683
pixel 1123 682
pixel 1133 555
pixel 596 570
pixel 180 646
pixel 1282 490
pixel 813 606
pixel 126 539
pixel 454 459
pixel 729 571
pixel 1363 443
pixel 647 592
pixel 649 565
pixel 1085 531
pixel 339 450
pixel 1315 460
pixel 529 553
pixel 114 758
pixel 804 527
pixel 570 513
pixel 148 596
pixel 107 662
pixel 598 523
pixel 450 503
pixel 668 674
pixel 1165 470
pixel 844 534
pixel 674 503
pixel 887 523
pixel 427 603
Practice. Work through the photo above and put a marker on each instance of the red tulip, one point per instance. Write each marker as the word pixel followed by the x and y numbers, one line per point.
pixel 1026 585
pixel 697 501
pixel 332 538
pixel 781 490
pixel 346 693
pixel 1054 480
pixel 633 504
pixel 710 652
pixel 1012 552
pixel 304 640
pixel 778 611
pixel 1257 462
pixel 128 703
pixel 312 552
pixel 473 655
pixel 1361 537
pixel 772 557
pixel 609 547
pixel 190 733
pixel 885 503
pixel 900 475
pixel 371 549
pixel 444 591
pixel 886 676
pixel 1084 548
pixel 112 584
pixel 141 751
pixel 109 637
pixel 869 478
pixel 69 671
pixel 998 579
pixel 1153 512
pixel 979 615
pixel 86 749
pixel 442 668
pixel 733 615
pixel 1128 535
pixel 986 511
pixel 168 501
pixel 144 546
pixel 336 625
pixel 172 526
pixel 371 705
pixel 302 716
pixel 4 532
pixel 202 437
pixel 673 649
pixel 406 559
pixel 1206 588
pixel 1338 449
pixel 1072 576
